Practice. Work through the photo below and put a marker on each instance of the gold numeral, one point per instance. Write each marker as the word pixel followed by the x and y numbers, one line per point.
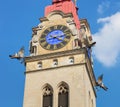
pixel 48 46
pixel 55 27
pixel 66 39
pixel 43 44
pixel 68 34
pixel 44 34
pixel 42 38
pixel 61 44
pixel 61 27
pixel 66 30
pixel 55 46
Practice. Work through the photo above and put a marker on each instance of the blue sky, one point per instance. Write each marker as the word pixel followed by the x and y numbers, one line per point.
pixel 17 17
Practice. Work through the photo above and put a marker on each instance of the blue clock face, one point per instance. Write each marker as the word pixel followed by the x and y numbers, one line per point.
pixel 55 37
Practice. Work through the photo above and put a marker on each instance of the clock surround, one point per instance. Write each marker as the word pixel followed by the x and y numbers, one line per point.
pixel 55 37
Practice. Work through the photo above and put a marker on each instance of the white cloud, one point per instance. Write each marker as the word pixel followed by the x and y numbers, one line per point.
pixel 103 7
pixel 107 49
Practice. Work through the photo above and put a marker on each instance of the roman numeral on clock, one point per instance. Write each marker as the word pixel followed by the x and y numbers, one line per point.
pixel 42 39
pixel 66 40
pixel 55 27
pixel 67 31
pixel 44 43
pixel 48 46
pixel 55 37
pixel 61 44
pixel 55 47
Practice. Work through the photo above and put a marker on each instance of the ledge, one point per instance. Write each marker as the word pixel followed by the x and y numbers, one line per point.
pixel 54 55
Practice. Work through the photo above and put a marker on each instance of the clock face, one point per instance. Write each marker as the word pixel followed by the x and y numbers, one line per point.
pixel 55 37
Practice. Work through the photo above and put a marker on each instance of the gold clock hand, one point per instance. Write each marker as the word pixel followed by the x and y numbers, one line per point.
pixel 59 38
pixel 61 35
pixel 55 36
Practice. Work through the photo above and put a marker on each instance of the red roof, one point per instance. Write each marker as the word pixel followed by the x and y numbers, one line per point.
pixel 55 1
pixel 66 6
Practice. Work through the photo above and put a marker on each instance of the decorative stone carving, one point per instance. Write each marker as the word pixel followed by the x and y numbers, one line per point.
pixel 47 91
pixel 35 39
pixel 32 49
pixel 70 21
pixel 63 89
pixel 77 40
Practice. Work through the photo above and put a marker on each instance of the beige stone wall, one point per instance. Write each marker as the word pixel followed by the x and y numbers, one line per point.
pixel 75 76
pixel 85 29
pixel 48 63
pixel 89 93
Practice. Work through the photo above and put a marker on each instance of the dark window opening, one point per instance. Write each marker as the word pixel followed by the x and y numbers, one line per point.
pixel 47 101
pixel 63 96
pixel 47 97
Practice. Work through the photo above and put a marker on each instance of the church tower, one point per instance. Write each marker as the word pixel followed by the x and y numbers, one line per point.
pixel 59 70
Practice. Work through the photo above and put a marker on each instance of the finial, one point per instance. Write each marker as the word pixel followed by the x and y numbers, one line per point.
pixel 75 1
pixel 56 1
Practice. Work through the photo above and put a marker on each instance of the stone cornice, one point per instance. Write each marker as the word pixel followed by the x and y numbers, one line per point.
pixel 43 19
pixel 54 55
pixel 41 70
pixel 56 12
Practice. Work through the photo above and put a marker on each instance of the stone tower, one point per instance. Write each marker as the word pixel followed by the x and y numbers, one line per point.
pixel 59 71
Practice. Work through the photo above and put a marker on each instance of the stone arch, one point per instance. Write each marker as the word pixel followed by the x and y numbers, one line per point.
pixel 63 95
pixel 71 60
pixel 63 84
pixel 56 12
pixel 47 94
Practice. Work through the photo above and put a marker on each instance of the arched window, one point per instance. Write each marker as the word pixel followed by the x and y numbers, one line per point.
pixel 63 95
pixel 71 60
pixel 39 65
pixel 55 63
pixel 47 96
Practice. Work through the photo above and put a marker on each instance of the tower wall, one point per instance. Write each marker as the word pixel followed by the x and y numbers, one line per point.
pixel 77 76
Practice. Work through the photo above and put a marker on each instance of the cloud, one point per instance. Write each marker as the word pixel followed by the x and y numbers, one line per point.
pixel 107 49
pixel 103 7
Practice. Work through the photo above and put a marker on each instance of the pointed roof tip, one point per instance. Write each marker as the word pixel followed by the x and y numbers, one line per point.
pixel 75 2
pixel 66 6
pixel 57 1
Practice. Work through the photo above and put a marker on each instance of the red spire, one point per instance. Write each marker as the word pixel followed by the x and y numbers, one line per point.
pixel 56 1
pixel 66 6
